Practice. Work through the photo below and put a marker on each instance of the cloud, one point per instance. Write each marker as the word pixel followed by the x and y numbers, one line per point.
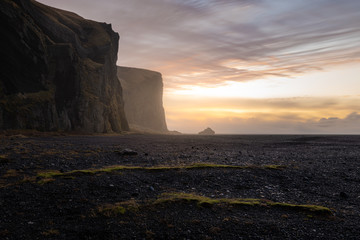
pixel 266 116
pixel 287 124
pixel 180 37
pixel 350 124
pixel 330 105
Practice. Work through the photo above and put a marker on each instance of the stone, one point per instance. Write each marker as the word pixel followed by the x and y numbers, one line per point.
pixel 343 195
pixel 128 152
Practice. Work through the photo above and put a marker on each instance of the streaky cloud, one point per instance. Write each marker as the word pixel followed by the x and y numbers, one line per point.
pixel 292 37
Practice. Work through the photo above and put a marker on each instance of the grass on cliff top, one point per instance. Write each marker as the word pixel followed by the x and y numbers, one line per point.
pixel 111 210
pixel 55 173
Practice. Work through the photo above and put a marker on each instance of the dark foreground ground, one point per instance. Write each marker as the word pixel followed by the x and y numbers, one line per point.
pixel 269 196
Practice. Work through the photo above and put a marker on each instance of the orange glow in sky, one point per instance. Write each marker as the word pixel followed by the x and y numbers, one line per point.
pixel 243 66
pixel 301 102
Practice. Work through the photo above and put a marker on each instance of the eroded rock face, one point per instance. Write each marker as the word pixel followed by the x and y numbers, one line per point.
pixel 143 92
pixel 58 71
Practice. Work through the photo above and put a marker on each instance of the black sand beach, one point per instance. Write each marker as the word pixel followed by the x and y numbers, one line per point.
pixel 180 187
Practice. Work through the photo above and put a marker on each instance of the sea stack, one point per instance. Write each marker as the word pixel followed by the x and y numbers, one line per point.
pixel 207 131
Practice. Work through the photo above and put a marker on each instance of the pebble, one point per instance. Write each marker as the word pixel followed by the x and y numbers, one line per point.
pixel 343 195
pixel 135 194
pixel 128 152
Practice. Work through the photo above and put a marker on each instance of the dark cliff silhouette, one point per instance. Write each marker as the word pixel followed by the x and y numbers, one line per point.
pixel 58 71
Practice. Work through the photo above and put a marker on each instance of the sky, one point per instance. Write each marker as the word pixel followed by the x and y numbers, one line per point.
pixel 243 66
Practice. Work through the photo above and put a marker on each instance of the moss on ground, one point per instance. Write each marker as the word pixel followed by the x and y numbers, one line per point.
pixel 202 201
pixel 45 180
pixel 320 210
pixel 11 173
pixel 205 201
pixel 47 176
pixel 51 173
pixel 113 210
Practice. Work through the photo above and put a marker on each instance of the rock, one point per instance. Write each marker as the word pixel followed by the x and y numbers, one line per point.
pixel 143 92
pixel 128 152
pixel 207 131
pixel 174 133
pixel 59 71
pixel 343 195
pixel 135 194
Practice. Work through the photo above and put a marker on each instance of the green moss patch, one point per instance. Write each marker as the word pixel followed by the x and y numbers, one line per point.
pixel 206 201
pixel 113 210
pixel 51 173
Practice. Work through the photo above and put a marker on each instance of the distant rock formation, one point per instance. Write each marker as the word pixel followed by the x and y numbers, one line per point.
pixel 207 131
pixel 58 71
pixel 174 132
pixel 143 92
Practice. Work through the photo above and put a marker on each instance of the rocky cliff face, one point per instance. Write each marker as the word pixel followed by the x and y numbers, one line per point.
pixel 58 71
pixel 143 91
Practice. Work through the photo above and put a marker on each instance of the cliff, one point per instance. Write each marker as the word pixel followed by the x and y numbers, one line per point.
pixel 143 91
pixel 58 71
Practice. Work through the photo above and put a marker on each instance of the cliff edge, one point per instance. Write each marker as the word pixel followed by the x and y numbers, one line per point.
pixel 143 92
pixel 58 72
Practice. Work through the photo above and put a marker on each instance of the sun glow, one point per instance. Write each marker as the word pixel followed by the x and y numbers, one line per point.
pixel 325 83
pixel 287 104
pixel 252 89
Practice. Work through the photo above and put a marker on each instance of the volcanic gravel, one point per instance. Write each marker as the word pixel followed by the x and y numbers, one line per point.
pixel 315 170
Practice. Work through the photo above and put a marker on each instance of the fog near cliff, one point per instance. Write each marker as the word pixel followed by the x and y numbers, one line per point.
pixel 272 46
